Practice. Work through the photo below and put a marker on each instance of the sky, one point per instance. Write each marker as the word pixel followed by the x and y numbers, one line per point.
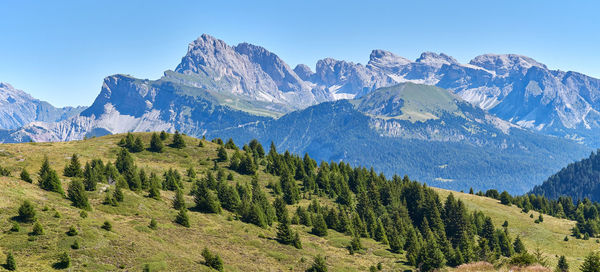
pixel 60 51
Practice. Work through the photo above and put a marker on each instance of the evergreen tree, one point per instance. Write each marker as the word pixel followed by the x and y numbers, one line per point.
pixel 231 145
pixel 285 235
pixel 25 176
pixel 124 162
pixel 77 195
pixel 91 177
pixel 73 169
pixel 221 154
pixel 37 229
pixel 591 263
pixel 191 173
pixel 206 200
pixel 430 256
pixel 49 180
pixel 182 218
pixel 164 136
pixel 178 201
pixel 178 141
pixel 291 194
pixel 118 194
pixel 153 224
pixel 319 226
pixel 319 265
pixel 505 198
pixel 280 209
pixel 212 260
pixel 562 265
pixel 144 181
pixel 26 212
pixel 10 265
pixel 156 144
pixel 518 245
pixel 107 226
pixel 64 261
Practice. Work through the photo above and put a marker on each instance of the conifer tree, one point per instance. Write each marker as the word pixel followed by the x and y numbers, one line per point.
pixel 91 177
pixel 154 192
pixel 153 224
pixel 118 194
pixel 77 195
pixel 518 245
pixel 221 154
pixel 280 209
pixel 37 229
pixel 319 226
pixel 124 162
pixel 182 218
pixel 156 144
pixel 285 235
pixel 138 145
pixel 144 181
pixel 164 136
pixel 319 265
pixel 64 261
pixel 73 169
pixel 291 194
pixel 231 145
pixel 206 200
pixel 178 201
pixel 191 173
pixel 25 176
pixel 562 265
pixel 10 265
pixel 49 180
pixel 178 141
pixel 591 263
pixel 228 196
pixel 212 260
pixel 27 212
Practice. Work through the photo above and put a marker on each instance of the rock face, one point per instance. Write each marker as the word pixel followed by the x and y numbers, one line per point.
pixel 18 108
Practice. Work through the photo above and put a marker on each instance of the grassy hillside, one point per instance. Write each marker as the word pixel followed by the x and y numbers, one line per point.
pixel 132 244
pixel 548 236
pixel 243 247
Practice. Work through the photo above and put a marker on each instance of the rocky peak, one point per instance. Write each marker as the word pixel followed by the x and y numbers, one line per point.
pixel 304 72
pixel 506 63
pixel 436 60
pixel 385 59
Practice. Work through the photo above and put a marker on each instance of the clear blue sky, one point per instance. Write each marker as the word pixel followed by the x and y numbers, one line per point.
pixel 60 51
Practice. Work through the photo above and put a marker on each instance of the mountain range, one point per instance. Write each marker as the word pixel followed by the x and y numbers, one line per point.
pixel 496 112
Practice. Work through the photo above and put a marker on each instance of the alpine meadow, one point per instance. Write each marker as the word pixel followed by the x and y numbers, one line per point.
pixel 314 136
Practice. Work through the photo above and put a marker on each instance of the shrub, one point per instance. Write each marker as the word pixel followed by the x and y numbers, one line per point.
pixel 72 231
pixel 11 265
pixel 153 225
pixel 107 225
pixel 37 229
pixel 319 265
pixel 64 261
pixel 27 212
pixel 75 245
pixel 212 260
pixel 25 176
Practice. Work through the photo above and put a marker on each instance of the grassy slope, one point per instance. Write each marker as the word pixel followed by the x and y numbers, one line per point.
pixel 547 236
pixel 132 244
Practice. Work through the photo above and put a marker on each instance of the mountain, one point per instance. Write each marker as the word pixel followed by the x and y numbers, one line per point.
pixel 423 131
pixel 18 108
pixel 513 87
pixel 578 180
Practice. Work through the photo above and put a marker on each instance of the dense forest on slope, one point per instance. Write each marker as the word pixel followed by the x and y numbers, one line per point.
pixel 578 180
pixel 119 197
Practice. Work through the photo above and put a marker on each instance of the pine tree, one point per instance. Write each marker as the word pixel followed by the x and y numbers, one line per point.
pixel 26 212
pixel 49 180
pixel 221 154
pixel 154 191
pixel 562 265
pixel 291 194
pixel 231 145
pixel 138 145
pixel 156 144
pixel 118 194
pixel 212 260
pixel 518 245
pixel 64 261
pixel 591 263
pixel 319 226
pixel 77 195
pixel 178 141
pixel 319 265
pixel 25 176
pixel 164 136
pixel 73 169
pixel 91 177
pixel 206 201
pixel 124 162
pixel 178 201
pixel 37 229
pixel 505 198
pixel 182 218
pixel 285 235
pixel 280 210
pixel 10 265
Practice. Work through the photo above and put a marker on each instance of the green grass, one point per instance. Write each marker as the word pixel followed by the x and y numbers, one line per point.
pixel 547 236
pixel 131 244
